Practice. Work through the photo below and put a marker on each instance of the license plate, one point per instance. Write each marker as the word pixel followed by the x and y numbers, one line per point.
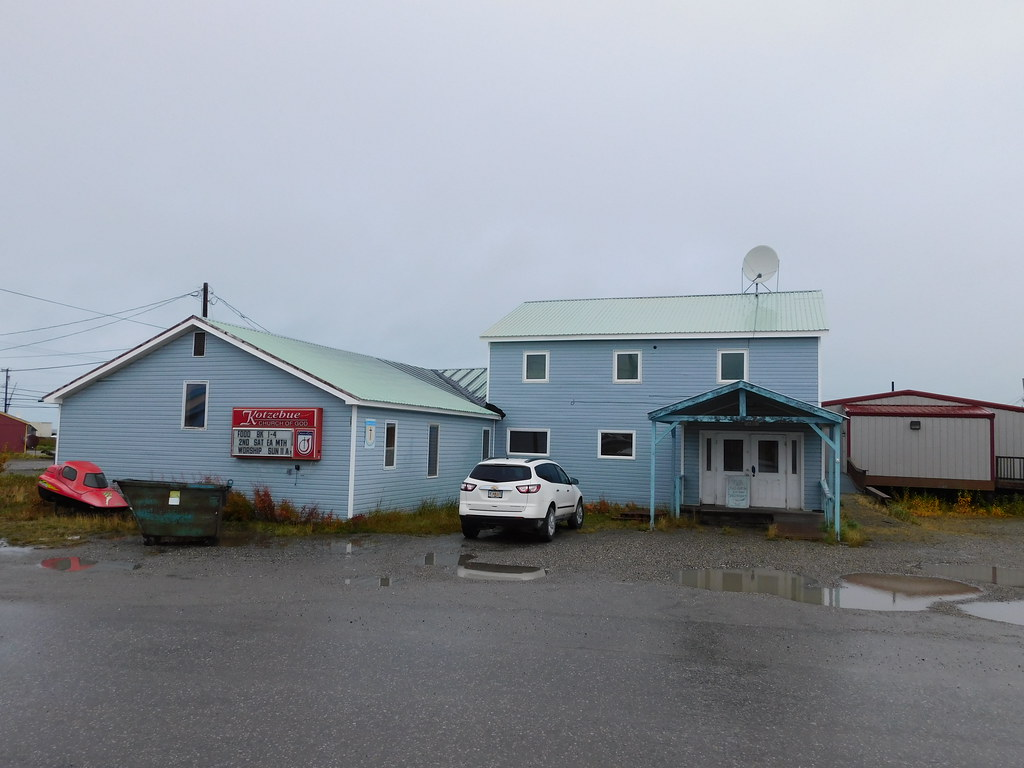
pixel 493 494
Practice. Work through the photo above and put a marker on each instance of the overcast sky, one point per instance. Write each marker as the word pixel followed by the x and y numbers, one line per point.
pixel 393 177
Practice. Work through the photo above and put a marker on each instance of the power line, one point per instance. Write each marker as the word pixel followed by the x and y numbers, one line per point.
pixel 95 327
pixel 243 317
pixel 93 311
pixel 55 367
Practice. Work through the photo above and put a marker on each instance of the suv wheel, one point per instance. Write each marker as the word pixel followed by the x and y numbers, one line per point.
pixel 469 530
pixel 547 528
pixel 576 521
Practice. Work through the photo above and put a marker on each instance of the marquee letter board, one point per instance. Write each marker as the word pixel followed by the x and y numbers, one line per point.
pixel 276 433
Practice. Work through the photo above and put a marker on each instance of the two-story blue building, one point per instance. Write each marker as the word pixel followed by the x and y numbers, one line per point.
pixel 677 400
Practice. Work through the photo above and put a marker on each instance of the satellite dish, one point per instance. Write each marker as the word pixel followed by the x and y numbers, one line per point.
pixel 760 264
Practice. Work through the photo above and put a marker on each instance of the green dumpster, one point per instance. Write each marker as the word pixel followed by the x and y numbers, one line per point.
pixel 166 510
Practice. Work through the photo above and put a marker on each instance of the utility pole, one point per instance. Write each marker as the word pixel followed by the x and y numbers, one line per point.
pixel 7 382
pixel 206 299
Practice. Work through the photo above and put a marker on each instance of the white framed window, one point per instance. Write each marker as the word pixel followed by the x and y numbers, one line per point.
pixel 390 444
pixel 194 404
pixel 532 442
pixel 627 366
pixel 485 448
pixel 433 452
pixel 732 365
pixel 535 367
pixel 616 444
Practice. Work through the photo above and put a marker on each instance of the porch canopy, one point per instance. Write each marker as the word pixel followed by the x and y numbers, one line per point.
pixel 744 404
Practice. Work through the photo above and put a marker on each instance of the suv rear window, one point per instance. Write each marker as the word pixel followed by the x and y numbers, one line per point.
pixel 500 473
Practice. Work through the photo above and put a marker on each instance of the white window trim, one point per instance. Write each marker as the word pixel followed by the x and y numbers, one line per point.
pixel 746 365
pixel 639 366
pixel 487 442
pixel 206 405
pixel 631 432
pixel 508 441
pixel 392 467
pixel 437 472
pixel 547 366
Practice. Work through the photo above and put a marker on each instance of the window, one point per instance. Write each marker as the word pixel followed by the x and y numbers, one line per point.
pixel 194 402
pixel 199 344
pixel 433 439
pixel 533 441
pixel 69 473
pixel 732 365
pixel 390 440
pixel 485 449
pixel 535 366
pixel 616 445
pixel 733 455
pixel 626 367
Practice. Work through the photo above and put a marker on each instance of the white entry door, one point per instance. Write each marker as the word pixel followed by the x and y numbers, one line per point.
pixel 751 469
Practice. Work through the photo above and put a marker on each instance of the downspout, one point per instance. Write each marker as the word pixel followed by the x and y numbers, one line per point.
pixel 352 462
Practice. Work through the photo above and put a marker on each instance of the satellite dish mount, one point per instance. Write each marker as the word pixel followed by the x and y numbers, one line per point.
pixel 759 266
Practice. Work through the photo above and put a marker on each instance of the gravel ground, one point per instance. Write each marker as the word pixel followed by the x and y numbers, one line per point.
pixel 620 555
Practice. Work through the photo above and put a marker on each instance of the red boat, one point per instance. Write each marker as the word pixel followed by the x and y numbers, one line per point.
pixel 79 484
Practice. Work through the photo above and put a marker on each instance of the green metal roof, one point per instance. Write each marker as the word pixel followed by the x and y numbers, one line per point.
pixel 364 378
pixel 794 312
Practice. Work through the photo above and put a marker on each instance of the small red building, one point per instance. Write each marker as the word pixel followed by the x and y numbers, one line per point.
pixel 14 433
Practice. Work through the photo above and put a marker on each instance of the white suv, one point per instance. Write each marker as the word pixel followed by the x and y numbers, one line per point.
pixel 519 493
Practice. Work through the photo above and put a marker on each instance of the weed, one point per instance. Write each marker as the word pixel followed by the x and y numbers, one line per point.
pixel 772 532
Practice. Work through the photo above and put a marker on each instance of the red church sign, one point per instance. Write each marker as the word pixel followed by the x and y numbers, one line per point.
pixel 277 433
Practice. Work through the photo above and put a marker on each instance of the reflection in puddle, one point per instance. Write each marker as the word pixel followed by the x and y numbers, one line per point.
pixel 346 547
pixel 8 549
pixel 891 592
pixel 468 569
pixel 368 581
pixel 987 574
pixel 869 591
pixel 82 564
pixel 763 581
pixel 1010 613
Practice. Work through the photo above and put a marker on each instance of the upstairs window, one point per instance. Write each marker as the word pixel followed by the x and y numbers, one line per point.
pixel 194 405
pixel 732 365
pixel 626 367
pixel 535 366
pixel 199 344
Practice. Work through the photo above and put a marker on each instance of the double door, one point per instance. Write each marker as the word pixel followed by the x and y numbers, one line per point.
pixel 751 469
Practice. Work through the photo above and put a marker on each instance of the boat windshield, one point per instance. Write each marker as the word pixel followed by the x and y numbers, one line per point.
pixel 95 480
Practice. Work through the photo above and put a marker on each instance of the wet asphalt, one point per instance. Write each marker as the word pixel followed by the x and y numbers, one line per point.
pixel 402 651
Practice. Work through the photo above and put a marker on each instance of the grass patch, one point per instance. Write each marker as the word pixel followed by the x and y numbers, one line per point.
pixel 27 520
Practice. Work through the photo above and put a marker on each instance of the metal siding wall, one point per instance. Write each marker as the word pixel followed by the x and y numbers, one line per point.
pixel 130 424
pixel 943 447
pixel 580 399
pixel 405 486
pixel 1009 432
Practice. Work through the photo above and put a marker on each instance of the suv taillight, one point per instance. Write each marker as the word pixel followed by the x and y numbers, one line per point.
pixel 468 487
pixel 528 488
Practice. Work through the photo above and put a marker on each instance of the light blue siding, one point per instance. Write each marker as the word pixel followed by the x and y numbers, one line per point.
pixel 130 424
pixel 580 398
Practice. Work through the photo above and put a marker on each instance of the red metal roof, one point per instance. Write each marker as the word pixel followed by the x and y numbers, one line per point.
pixel 934 411
pixel 921 393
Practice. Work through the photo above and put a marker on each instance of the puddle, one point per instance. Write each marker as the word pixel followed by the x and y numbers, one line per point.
pixel 764 581
pixel 369 581
pixel 986 574
pixel 1009 613
pixel 8 549
pixel 84 564
pixel 866 591
pixel 347 547
pixel 469 569
pixel 891 592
